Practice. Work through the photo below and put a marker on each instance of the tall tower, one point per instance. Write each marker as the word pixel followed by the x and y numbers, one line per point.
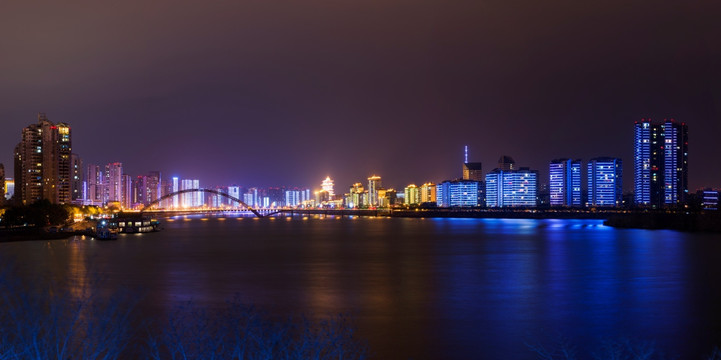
pixel 374 184
pixel 94 185
pixel 565 182
pixel 176 188
pixel 660 163
pixel 471 171
pixel 113 182
pixel 42 162
pixel 153 189
pixel 77 195
pixel 127 190
pixel 64 180
pixel 675 161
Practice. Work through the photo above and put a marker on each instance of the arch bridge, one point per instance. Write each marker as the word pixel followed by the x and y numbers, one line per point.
pixel 210 191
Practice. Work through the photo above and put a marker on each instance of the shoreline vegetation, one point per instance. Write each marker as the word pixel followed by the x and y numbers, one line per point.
pixel 43 220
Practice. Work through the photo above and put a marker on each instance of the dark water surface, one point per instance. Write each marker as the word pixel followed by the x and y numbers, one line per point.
pixel 423 288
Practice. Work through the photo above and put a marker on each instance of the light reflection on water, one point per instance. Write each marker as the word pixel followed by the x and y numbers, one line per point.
pixel 422 288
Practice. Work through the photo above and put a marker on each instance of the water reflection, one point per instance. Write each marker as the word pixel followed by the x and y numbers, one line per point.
pixel 423 288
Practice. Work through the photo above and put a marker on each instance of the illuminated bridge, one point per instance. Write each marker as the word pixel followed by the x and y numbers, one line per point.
pixel 209 191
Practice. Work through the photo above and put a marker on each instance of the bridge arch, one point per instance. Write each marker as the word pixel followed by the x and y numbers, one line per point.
pixel 211 191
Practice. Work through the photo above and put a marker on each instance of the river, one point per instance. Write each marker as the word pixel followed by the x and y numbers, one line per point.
pixel 422 288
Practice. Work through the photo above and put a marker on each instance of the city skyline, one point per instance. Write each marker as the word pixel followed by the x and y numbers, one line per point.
pixel 476 172
pixel 45 150
pixel 258 93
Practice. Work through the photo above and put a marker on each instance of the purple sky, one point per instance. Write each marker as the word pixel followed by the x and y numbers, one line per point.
pixel 286 92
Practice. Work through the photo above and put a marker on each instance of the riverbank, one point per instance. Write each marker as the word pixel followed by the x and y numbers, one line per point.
pixel 462 213
pixel 700 222
pixel 33 233
pixel 703 222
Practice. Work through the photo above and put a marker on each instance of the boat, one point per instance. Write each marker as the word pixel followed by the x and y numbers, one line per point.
pixel 106 230
pixel 130 224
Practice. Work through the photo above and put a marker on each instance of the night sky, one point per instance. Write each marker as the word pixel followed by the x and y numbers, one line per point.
pixel 269 93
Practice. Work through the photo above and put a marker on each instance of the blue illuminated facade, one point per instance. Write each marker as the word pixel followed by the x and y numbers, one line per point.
pixel 512 188
pixel 710 199
pixel 660 163
pixel 675 163
pixel 605 182
pixel 455 193
pixel 565 182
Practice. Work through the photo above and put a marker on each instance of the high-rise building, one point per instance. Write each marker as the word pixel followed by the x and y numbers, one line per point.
pixel 153 190
pixel 565 182
pixel 42 163
pixel 219 201
pixel 127 190
pixel 276 195
pixel 605 182
pixel 512 188
pixel 94 185
pixel 191 199
pixel 234 191
pixel 428 192
pixel 458 193
pixel 176 188
pixel 506 163
pixel 387 197
pixel 251 197
pixel 292 198
pixel 305 196
pixel 675 159
pixel 113 182
pixel 327 186
pixel 2 185
pixel 64 179
pixel 166 187
pixel 140 192
pixel 77 195
pixel 374 184
pixel 472 170
pixel 357 196
pixel 660 163
pixel 412 195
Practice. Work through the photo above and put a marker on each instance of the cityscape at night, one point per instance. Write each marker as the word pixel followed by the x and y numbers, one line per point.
pixel 46 168
pixel 360 180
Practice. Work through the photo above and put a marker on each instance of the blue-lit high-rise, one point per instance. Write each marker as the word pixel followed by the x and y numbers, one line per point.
pixel 233 191
pixel 660 163
pixel 511 188
pixel 605 182
pixel 292 198
pixel 458 193
pixel 191 199
pixel 176 188
pixel 565 182
pixel 675 163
